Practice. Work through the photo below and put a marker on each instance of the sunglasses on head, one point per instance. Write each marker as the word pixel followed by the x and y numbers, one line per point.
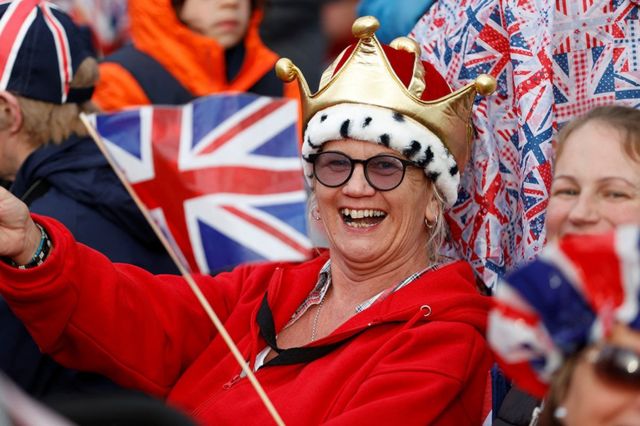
pixel 617 364
pixel 383 172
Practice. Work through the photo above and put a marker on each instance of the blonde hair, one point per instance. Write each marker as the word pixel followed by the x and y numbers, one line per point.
pixel 621 118
pixel 45 122
pixel 558 390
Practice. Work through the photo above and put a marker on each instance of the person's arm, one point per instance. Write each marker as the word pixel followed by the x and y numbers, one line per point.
pixel 118 320
pixel 434 376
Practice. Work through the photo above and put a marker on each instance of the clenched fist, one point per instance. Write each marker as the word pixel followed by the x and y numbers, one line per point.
pixel 19 235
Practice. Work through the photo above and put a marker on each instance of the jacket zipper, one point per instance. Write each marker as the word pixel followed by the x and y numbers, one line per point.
pixel 232 382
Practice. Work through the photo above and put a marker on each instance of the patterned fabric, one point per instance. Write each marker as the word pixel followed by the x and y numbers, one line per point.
pixel 221 176
pixel 553 61
pixel 563 301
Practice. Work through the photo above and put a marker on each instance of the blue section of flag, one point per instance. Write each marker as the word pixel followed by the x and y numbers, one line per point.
pixel 111 127
pixel 293 214
pixel 209 111
pixel 223 252
pixel 280 145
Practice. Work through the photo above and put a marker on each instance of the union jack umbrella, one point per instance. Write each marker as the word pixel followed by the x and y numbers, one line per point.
pixel 221 176
pixel 553 61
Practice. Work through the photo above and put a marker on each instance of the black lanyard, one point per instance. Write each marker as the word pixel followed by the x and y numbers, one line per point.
pixel 292 355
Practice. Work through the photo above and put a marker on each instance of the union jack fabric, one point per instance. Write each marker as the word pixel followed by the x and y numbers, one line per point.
pixel 221 176
pixel 566 299
pixel 553 61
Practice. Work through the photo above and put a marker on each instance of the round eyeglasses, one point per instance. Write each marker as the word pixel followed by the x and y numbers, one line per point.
pixel 383 172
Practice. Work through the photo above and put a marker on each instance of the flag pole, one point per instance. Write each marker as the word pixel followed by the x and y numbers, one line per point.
pixel 185 273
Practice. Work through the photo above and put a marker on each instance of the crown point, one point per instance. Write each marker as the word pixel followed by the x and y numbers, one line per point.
pixel 285 70
pixel 485 84
pixel 365 26
pixel 406 44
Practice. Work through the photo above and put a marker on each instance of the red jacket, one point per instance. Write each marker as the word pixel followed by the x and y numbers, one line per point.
pixel 395 365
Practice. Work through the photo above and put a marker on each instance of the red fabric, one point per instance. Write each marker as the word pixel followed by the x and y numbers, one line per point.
pixel 196 61
pixel 398 366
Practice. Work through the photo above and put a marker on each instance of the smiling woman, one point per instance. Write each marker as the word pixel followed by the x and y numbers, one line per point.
pixel 375 330
pixel 596 181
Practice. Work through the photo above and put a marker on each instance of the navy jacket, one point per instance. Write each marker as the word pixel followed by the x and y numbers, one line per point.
pixel 74 183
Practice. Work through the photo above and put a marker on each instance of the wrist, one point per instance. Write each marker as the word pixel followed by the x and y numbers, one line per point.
pixel 42 242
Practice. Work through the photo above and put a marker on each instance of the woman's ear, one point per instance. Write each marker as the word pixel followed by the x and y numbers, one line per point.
pixel 432 210
pixel 10 113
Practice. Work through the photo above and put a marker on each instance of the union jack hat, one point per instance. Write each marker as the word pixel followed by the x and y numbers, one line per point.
pixel 566 299
pixel 40 51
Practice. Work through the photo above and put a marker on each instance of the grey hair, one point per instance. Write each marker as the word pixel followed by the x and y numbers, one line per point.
pixel 438 234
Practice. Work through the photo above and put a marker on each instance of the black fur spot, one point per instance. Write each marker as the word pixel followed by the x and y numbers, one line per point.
pixel 311 144
pixel 366 122
pixel 307 159
pixel 433 176
pixel 323 117
pixel 344 129
pixel 412 150
pixel 428 157
pixel 384 139
pixel 398 117
pixel 453 170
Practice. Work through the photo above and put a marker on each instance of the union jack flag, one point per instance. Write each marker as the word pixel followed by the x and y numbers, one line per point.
pixel 553 61
pixel 221 176
pixel 568 298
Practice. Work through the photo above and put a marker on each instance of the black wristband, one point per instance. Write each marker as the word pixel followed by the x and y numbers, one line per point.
pixel 41 253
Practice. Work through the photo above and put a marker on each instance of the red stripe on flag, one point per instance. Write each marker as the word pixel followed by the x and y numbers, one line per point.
pixel 243 124
pixel 11 30
pixel 269 229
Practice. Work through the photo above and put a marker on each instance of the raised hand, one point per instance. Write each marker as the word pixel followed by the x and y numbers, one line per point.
pixel 19 235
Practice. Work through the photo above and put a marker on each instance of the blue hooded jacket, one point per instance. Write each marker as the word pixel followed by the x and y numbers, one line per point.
pixel 74 184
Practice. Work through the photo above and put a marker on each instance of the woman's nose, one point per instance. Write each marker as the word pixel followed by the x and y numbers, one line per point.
pixel 585 210
pixel 357 185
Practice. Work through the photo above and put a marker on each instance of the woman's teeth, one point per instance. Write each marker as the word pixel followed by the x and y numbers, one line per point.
pixel 363 218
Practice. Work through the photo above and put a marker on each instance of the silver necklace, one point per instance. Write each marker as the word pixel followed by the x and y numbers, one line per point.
pixel 314 326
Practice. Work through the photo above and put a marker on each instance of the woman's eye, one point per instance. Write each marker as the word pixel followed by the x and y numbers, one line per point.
pixel 337 164
pixel 567 192
pixel 616 195
pixel 387 166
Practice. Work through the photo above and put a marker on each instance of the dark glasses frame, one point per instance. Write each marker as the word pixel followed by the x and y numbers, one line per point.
pixel 352 162
pixel 616 364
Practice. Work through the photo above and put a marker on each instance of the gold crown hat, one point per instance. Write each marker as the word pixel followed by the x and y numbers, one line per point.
pixel 363 97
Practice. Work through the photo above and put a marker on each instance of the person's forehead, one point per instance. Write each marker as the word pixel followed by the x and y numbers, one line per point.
pixel 352 146
pixel 596 146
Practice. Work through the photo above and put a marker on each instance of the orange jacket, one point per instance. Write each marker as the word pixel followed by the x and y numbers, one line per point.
pixel 195 61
